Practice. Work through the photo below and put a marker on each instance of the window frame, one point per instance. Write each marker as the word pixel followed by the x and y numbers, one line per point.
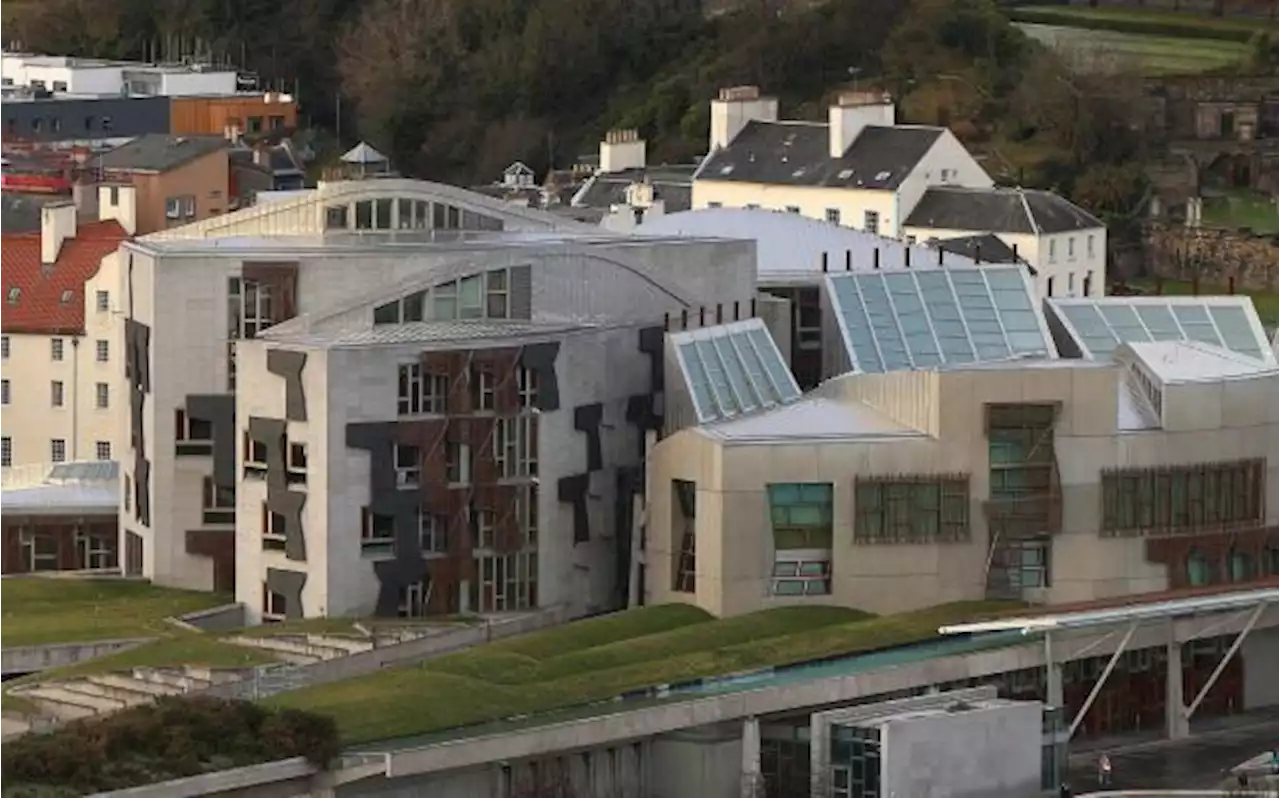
pixel 102 396
pixel 102 350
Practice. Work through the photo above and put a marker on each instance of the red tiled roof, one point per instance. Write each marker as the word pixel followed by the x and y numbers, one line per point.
pixel 39 308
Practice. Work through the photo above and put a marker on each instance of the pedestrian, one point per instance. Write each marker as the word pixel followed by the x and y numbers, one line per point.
pixel 1104 771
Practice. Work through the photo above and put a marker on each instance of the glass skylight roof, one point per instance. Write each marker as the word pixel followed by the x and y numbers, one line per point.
pixel 906 320
pixel 1100 325
pixel 732 369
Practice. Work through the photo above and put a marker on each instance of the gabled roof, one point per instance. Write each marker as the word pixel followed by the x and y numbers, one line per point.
pixel 50 300
pixel 999 210
pixel 363 154
pixel 517 168
pixel 671 184
pixel 1194 361
pixel 798 154
pixel 158 152
pixel 984 248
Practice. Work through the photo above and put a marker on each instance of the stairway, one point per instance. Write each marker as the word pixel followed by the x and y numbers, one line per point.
pixel 100 694
pixel 305 649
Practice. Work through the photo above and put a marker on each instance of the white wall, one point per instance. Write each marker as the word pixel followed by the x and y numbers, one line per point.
pixel 947 153
pixel 174 84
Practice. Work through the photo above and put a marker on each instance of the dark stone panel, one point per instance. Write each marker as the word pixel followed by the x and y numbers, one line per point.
pixel 573 490
pixel 137 339
pixel 142 488
pixel 586 419
pixel 270 432
pixel 642 411
pixel 541 358
pixel 651 341
pixel 288 584
pixel 289 365
pixel 408 567
pixel 220 411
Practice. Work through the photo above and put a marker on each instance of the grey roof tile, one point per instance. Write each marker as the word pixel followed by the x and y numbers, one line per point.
pixel 158 152
pixel 1002 210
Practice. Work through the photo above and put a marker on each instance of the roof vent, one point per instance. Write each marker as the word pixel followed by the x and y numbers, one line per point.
pixel 67 296
pixel 15 293
pixel 845 174
pixel 883 175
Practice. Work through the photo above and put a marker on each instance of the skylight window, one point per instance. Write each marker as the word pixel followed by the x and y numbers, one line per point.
pixel 67 296
pixel 908 320
pixel 15 293
pixel 1098 326
pixel 732 369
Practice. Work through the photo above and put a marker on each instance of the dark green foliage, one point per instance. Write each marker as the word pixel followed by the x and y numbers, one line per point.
pixel 170 739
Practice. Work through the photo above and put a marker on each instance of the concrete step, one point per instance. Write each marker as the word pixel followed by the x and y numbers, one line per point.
pixel 215 675
pixel 171 678
pixel 288 652
pixel 66 704
pixel 127 696
pixel 128 683
pixel 347 645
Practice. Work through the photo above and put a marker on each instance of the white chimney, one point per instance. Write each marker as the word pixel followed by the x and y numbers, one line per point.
pixel 852 112
pixel 734 108
pixel 57 224
pixel 622 149
pixel 119 202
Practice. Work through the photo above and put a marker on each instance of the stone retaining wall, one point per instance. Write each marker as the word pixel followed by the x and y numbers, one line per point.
pixel 1217 255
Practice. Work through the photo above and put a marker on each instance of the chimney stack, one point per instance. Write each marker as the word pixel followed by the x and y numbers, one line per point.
pixel 57 224
pixel 622 150
pixel 853 111
pixel 734 108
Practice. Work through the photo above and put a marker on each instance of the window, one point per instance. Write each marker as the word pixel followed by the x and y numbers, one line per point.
pixel 515 451
pixel 528 509
pixel 419 393
pixel 4 347
pixel 1192 498
pixel 114 193
pixel 793 209
pixel 444 301
pixel 1030 566
pixel 273 530
pixel 39 551
pixel 4 391
pixel 277 122
pixel 1049 287
pixel 255 124
pixel 102 351
pixel 413 307
pixel 457 463
pixel 1088 245
pixel 297 458
pixel 335 217
pixel 59 85
pixel 55 348
pixel 1242 569
pixel 527 386
pixel 404 214
pixel 364 215
pixel 715 204
pixel 103 299
pixel 273 604
pixel 433 532
pixel 408 460
pixel 102 395
pixel 194 429
pixel 55 393
pixel 58 450
pixel 484 389
pixel 497 304
pixel 801 518
pixel 1198 571
pixel 250 308
pixel 1088 283
pixel 753 206
pixel 95 552
pixel 382 214
pixel 1053 250
pixel 377 533
pixel 6 451
pixel 485 529
pixel 106 124
pixel 15 293
pixel 833 215
pixel 508 582
pixel 470 297
pixel 181 208
pixel 1071 283
pixel 218 497
pixel 1071 247
pixel 255 452
pixel 924 511
pixel 871 221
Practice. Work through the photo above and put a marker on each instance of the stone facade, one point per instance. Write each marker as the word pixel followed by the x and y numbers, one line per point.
pixel 1217 256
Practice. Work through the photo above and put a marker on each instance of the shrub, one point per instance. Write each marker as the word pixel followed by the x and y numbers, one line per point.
pixel 172 738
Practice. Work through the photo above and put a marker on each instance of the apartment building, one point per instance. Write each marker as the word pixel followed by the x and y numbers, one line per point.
pixel 392 396
pixel 863 169
pixel 61 346
pixel 158 181
pixel 980 443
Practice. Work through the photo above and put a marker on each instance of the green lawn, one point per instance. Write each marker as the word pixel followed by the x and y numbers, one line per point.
pixel 598 659
pixel 1142 21
pixel 1267 303
pixel 1242 208
pixel 39 611
pixel 1156 55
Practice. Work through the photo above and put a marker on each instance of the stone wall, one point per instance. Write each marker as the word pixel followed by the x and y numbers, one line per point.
pixel 1216 255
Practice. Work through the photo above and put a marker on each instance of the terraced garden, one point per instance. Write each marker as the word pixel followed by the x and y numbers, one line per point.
pixel 598 659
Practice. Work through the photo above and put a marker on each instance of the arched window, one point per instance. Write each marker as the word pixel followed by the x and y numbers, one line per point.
pixel 1197 569
pixel 1241 567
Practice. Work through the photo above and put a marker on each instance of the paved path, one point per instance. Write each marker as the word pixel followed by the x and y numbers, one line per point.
pixel 1201 762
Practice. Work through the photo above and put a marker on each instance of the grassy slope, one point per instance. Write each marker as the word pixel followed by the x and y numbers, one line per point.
pixel 42 611
pixel 1157 55
pixel 1139 20
pixel 596 660
pixel 1242 208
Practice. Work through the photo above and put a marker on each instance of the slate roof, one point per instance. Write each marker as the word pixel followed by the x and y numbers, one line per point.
pixel 671 184
pixel 20 213
pixel 797 154
pixel 39 307
pixel 986 247
pixel 159 152
pixel 1001 210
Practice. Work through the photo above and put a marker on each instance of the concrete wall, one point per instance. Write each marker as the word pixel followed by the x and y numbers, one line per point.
pixel 698 763
pixel 28 659
pixel 982 752
pixel 1260 654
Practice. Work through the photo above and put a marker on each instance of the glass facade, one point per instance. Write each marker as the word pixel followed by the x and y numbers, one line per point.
pixel 1100 325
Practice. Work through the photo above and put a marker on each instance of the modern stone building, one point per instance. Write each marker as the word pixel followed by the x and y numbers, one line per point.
pixel 446 414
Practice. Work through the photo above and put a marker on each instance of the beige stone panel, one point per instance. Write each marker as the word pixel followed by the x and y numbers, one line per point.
pixel 748 466
pixel 1192 406
pixel 1246 403
pixel 1092 402
pixel 1086 566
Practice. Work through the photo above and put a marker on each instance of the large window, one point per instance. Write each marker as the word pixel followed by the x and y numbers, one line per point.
pixel 249 308
pixel 39 550
pixel 1183 499
pixel 377 534
pixel 924 511
pixel 420 392
pixel 515 447
pixel 484 295
pixel 95 552
pixel 800 513
pixel 508 582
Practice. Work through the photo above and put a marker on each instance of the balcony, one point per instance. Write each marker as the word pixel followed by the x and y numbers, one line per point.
pixel 1024 516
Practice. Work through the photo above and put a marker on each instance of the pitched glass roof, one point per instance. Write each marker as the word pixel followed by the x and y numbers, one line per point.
pixel 1098 326
pixel 732 369
pixel 905 320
